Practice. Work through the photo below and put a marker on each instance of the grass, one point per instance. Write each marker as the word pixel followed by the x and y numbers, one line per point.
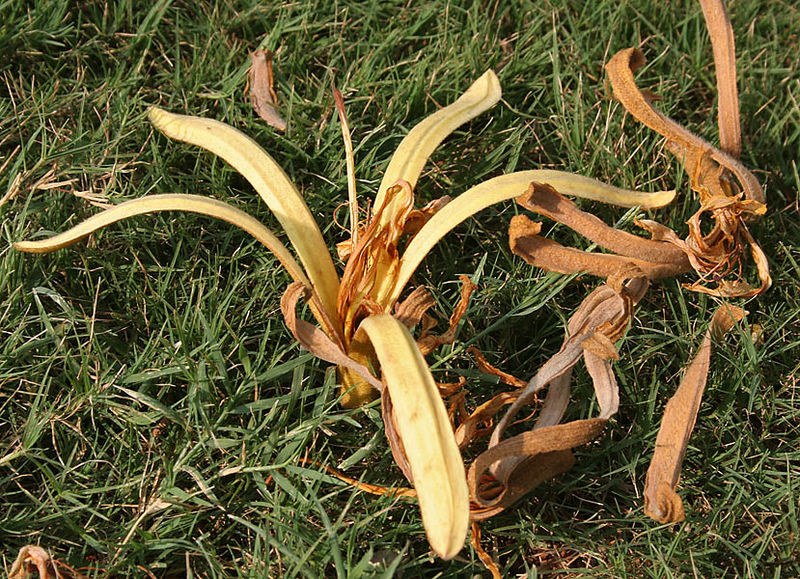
pixel 153 407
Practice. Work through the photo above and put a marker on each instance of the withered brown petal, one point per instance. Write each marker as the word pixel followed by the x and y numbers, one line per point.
pixel 469 426
pixel 485 367
pixel 545 200
pixel 486 559
pixel 262 93
pixel 550 443
pixel 429 343
pixel 409 312
pixel 393 437
pixel 315 340
pixel 692 150
pixel 722 43
pixel 392 492
pixel 31 556
pixel 661 502
pixel 552 256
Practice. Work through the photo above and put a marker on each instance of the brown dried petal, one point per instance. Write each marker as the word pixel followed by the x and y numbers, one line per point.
pixel 409 312
pixel 429 343
pixel 702 160
pixel 487 368
pixel 660 500
pixel 552 256
pixel 315 340
pixel 486 559
pixel 722 43
pixel 549 446
pixel 395 442
pixel 262 93
pixel 29 557
pixel 466 431
pixel 544 200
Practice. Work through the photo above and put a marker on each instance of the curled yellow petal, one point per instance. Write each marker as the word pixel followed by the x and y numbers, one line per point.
pixel 508 187
pixel 412 154
pixel 424 428
pixel 271 182
pixel 171 202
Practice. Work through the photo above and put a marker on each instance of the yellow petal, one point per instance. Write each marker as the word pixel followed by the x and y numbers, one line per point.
pixel 270 181
pixel 414 150
pixel 172 202
pixel 507 187
pixel 427 436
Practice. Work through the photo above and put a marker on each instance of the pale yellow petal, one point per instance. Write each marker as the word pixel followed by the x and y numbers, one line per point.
pixel 171 202
pixel 428 439
pixel 412 154
pixel 507 187
pixel 271 182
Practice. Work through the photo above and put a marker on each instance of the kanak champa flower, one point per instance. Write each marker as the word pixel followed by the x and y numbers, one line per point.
pixel 362 327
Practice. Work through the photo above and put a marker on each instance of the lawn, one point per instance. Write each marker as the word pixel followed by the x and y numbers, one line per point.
pixel 154 409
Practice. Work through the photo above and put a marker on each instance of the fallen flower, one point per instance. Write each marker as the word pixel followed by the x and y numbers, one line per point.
pixel 363 326
pixel 729 193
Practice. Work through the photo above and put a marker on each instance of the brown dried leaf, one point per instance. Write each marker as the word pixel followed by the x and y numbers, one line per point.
pixel 660 500
pixel 260 87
